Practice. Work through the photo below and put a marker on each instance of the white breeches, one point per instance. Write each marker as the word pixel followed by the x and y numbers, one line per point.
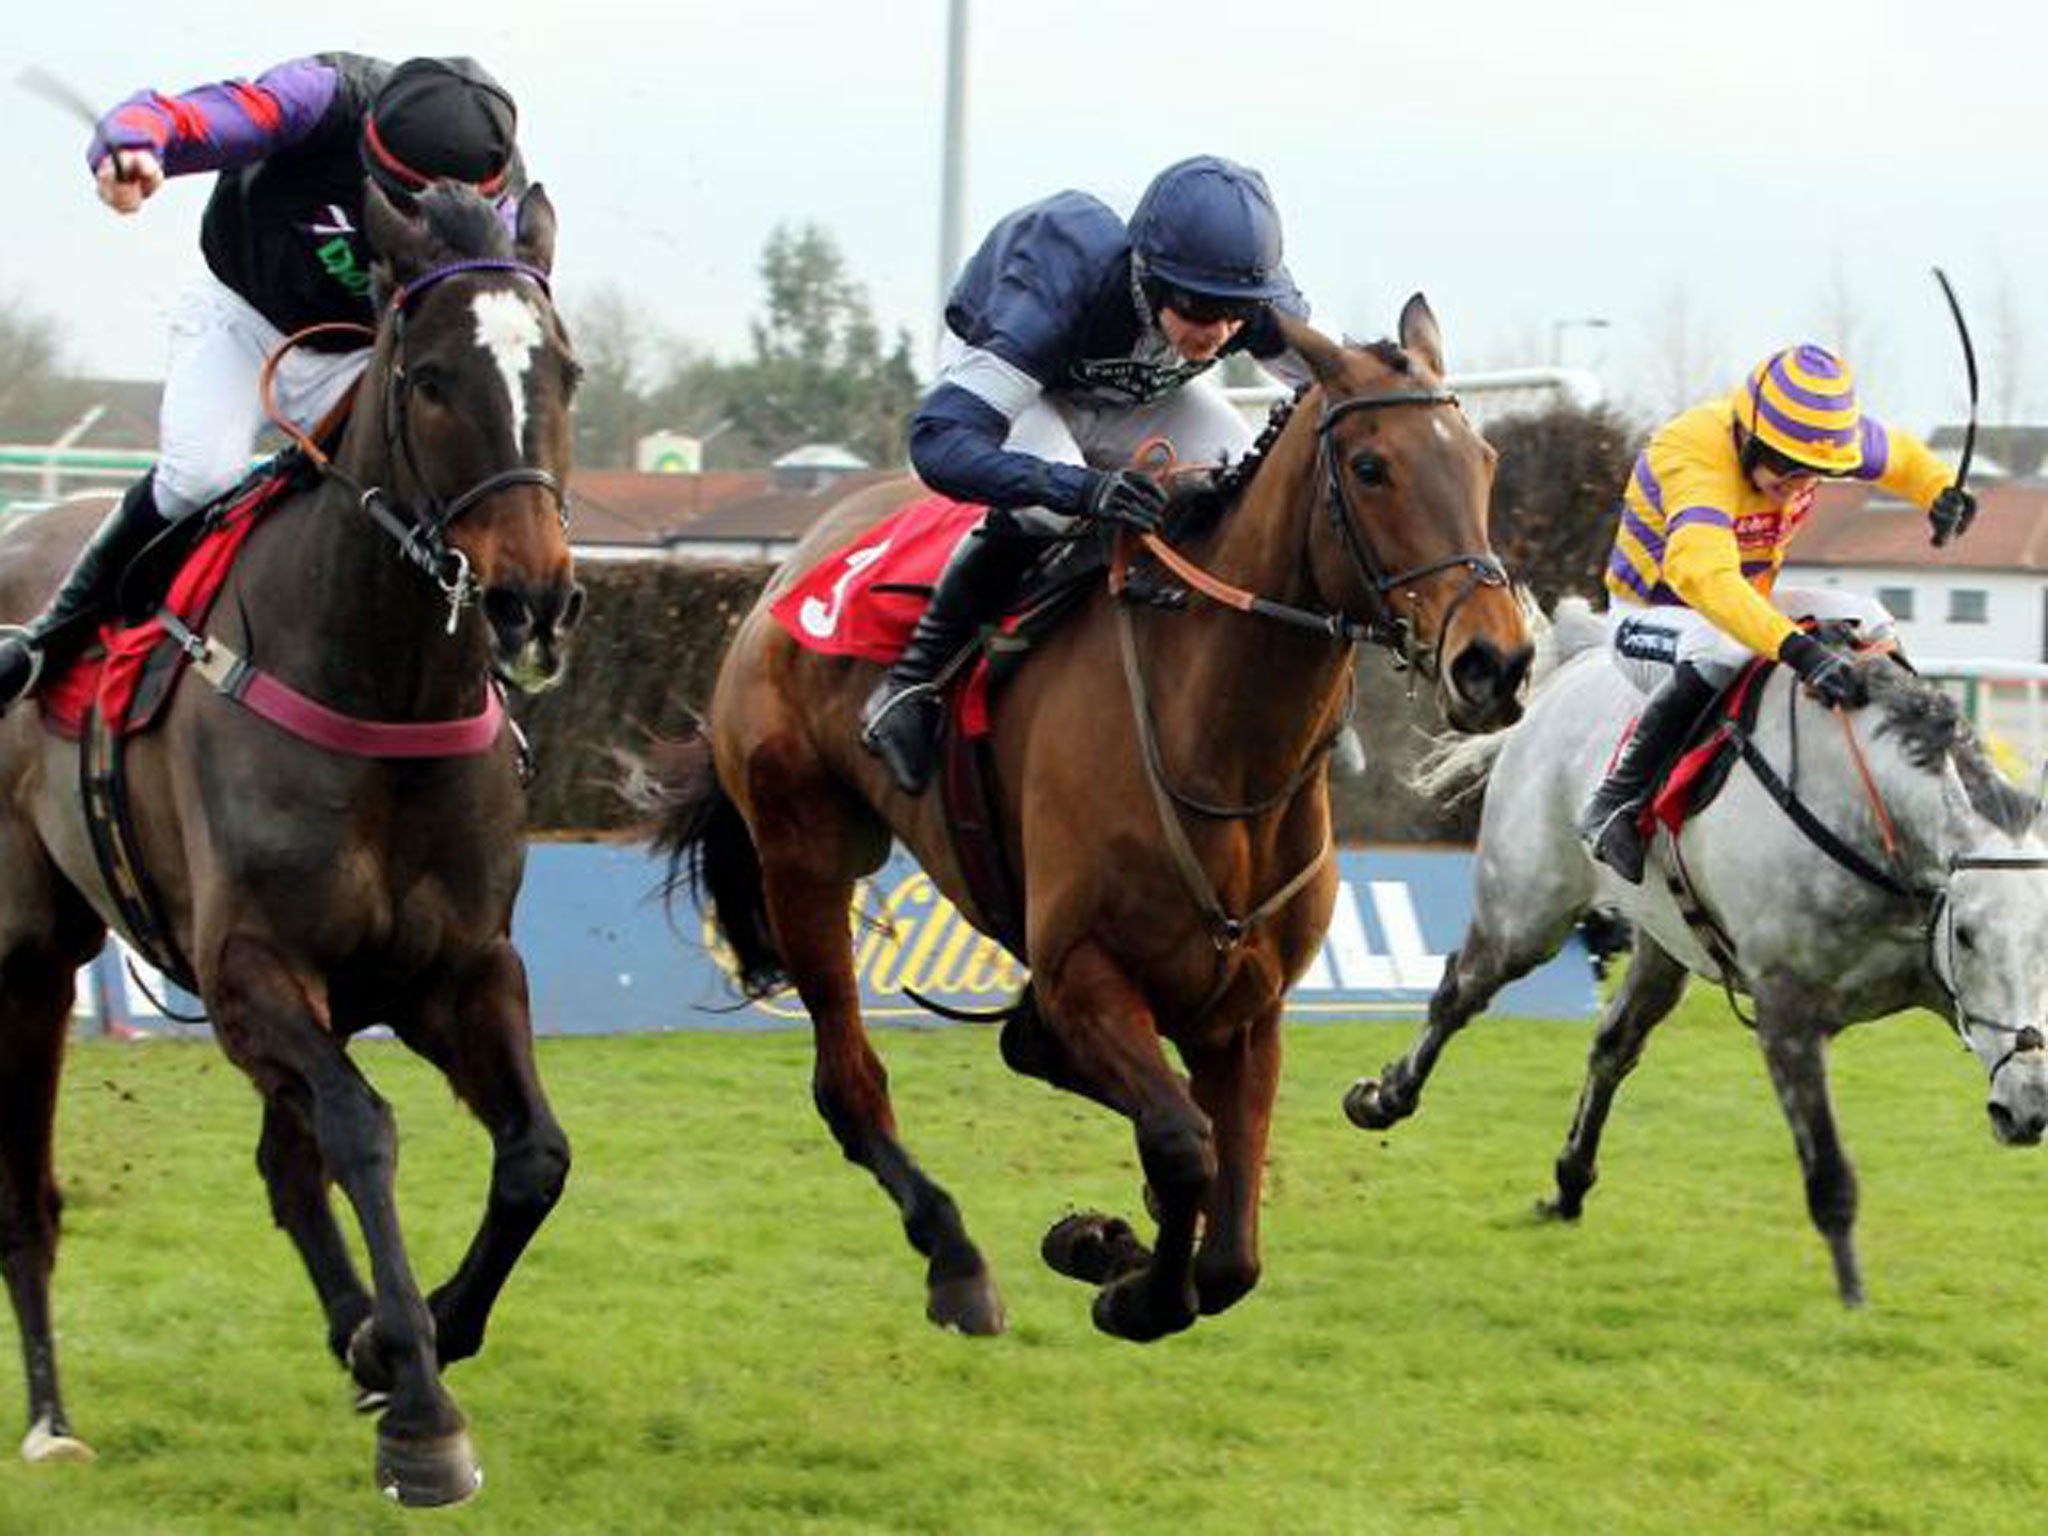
pixel 1650 642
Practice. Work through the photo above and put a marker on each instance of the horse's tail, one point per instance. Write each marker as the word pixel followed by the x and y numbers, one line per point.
pixel 1457 767
pixel 711 854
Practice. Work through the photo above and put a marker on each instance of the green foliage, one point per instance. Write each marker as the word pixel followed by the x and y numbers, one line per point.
pixel 821 371
pixel 721 1329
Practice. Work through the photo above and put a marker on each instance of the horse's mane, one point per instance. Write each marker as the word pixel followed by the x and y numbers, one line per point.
pixel 1931 730
pixel 464 222
pixel 1202 505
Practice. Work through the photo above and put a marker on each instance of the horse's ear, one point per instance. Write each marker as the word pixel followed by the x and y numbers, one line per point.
pixel 398 239
pixel 1419 333
pixel 536 232
pixel 1324 357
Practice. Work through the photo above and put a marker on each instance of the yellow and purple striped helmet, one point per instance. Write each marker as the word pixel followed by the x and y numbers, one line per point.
pixel 1801 402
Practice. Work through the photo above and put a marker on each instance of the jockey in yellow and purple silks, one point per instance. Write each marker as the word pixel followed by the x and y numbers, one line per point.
pixel 1711 507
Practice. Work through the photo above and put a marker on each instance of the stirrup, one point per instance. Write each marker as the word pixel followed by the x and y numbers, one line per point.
pixel 871 721
pixel 29 643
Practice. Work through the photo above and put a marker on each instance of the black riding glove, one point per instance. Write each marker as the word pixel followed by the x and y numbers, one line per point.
pixel 1833 678
pixel 1127 497
pixel 1951 515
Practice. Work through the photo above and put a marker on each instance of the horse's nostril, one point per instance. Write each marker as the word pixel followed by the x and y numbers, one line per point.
pixel 572 610
pixel 508 612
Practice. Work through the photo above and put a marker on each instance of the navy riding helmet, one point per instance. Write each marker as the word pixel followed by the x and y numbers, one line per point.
pixel 1208 225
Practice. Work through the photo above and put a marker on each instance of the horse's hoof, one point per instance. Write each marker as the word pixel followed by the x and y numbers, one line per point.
pixel 1094 1247
pixel 422 1474
pixel 1367 1108
pixel 969 1304
pixel 371 1372
pixel 367 1401
pixel 41 1446
pixel 1130 1310
pixel 1559 1209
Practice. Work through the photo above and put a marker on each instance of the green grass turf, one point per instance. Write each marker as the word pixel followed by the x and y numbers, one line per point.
pixel 721 1329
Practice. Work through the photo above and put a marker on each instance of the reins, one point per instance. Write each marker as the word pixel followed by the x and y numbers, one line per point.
pixel 1229 931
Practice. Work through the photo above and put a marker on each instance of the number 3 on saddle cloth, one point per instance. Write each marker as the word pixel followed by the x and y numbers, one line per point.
pixel 864 600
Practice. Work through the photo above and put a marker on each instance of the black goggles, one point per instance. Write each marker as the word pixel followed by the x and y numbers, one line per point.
pixel 1207 308
pixel 1762 456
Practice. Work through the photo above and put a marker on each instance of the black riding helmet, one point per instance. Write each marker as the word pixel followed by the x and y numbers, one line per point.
pixel 440 120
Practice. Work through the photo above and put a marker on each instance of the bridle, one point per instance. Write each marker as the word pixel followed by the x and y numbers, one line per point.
pixel 1382 623
pixel 1941 946
pixel 421 530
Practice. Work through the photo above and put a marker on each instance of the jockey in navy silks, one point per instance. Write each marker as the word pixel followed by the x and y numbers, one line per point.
pixel 282 236
pixel 1707 516
pixel 1070 340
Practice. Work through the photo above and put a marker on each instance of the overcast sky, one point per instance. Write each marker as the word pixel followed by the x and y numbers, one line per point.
pixel 1712 181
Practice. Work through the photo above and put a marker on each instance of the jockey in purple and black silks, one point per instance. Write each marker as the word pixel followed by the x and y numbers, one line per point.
pixel 1707 516
pixel 1070 340
pixel 282 238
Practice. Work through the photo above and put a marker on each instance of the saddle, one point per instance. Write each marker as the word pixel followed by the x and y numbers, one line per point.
pixel 863 601
pixel 1696 776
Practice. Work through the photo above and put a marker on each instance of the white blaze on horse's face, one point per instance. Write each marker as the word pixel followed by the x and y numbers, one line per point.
pixel 509 328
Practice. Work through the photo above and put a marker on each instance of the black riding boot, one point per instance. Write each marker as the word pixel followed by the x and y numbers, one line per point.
pixel 87 590
pixel 1608 824
pixel 900 722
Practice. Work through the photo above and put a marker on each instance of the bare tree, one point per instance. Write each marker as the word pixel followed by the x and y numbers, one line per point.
pixel 1845 328
pixel 1684 366
pixel 2008 359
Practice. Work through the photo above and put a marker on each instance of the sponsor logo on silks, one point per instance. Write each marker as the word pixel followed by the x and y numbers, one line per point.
pixel 1646 640
pixel 338 256
pixel 909 938
pixel 1133 379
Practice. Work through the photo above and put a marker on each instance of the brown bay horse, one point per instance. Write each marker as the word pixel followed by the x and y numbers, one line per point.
pixel 313 892
pixel 1364 513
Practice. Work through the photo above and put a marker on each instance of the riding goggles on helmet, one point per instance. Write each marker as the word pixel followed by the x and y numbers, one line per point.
pixel 1207 308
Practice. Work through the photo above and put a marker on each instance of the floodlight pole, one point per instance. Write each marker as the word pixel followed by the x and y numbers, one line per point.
pixel 953 162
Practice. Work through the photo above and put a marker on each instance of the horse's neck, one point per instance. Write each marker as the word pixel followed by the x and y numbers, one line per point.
pixel 337 612
pixel 1273 685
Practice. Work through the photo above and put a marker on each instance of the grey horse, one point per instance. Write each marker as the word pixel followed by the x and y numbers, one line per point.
pixel 1823 926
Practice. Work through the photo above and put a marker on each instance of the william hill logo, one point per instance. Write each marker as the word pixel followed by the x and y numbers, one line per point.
pixel 907 935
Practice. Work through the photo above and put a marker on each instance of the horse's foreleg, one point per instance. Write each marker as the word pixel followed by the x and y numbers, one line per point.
pixel 1109 1046
pixel 1795 1049
pixel 484 1043
pixel 1235 1086
pixel 808 912
pixel 288 1156
pixel 1648 993
pixel 272 1020
pixel 35 1008
pixel 1472 974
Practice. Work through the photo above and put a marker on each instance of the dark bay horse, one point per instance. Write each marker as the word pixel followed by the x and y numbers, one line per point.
pixel 313 892
pixel 1363 513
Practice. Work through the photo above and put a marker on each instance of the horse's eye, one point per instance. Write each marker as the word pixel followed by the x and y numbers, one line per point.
pixel 1965 939
pixel 1370 468
pixel 426 383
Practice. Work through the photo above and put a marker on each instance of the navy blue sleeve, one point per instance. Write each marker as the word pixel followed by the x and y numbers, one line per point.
pixel 956 447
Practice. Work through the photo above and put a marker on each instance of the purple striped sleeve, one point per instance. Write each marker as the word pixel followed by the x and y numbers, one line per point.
pixel 1651 540
pixel 1619 570
pixel 1877 451
pixel 1712 516
pixel 1646 482
pixel 212 127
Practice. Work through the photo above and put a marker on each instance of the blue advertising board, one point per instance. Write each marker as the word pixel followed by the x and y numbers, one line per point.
pixel 602 956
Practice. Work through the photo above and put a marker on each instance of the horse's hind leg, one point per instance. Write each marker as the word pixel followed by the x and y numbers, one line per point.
pixel 288 1156
pixel 1795 1049
pixel 35 1008
pixel 482 1039
pixel 1648 993
pixel 808 894
pixel 46 933
pixel 272 1020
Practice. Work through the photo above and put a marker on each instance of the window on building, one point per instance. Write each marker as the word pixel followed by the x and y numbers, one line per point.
pixel 1969 605
pixel 1898 602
